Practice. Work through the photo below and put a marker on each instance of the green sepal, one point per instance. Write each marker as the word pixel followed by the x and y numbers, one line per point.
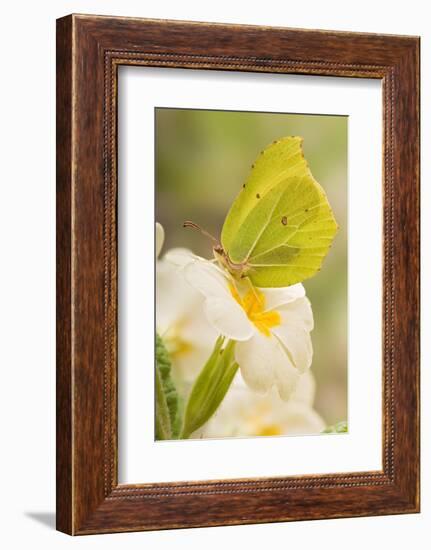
pixel 210 387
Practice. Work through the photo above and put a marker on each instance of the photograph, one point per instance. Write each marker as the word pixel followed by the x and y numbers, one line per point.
pixel 237 272
pixel 214 235
pixel 250 274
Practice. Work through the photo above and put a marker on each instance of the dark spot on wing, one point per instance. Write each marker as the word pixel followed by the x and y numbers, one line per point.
pixel 257 196
pixel 284 220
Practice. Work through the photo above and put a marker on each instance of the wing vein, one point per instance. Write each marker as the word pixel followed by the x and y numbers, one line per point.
pixel 253 246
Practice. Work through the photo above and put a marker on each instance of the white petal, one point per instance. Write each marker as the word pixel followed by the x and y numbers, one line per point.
pixel 276 297
pixel 176 300
pixel 160 237
pixel 287 378
pixel 228 318
pixel 180 257
pixel 297 314
pixel 298 345
pixel 221 308
pixel 301 419
pixel 264 363
pixel 305 390
pixel 255 358
pixel 208 279
pixel 197 329
pixel 245 412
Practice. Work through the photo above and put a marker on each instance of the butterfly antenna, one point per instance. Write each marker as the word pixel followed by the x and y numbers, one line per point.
pixel 193 225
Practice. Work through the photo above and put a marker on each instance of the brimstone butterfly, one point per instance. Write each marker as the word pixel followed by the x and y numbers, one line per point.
pixel 280 227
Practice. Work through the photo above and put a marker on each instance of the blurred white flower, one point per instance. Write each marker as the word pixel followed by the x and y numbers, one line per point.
pixel 160 238
pixel 246 413
pixel 271 325
pixel 180 320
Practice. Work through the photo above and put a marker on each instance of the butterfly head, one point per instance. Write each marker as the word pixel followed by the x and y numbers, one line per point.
pixel 237 270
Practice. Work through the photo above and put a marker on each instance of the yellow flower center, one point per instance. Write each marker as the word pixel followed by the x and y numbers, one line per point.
pixel 261 422
pixel 180 347
pixel 177 345
pixel 253 303
pixel 270 429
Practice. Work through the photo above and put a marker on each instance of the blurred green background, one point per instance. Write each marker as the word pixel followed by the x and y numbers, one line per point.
pixel 202 160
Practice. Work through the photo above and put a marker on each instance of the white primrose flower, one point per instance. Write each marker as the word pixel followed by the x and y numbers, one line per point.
pixel 180 320
pixel 271 326
pixel 246 413
pixel 160 238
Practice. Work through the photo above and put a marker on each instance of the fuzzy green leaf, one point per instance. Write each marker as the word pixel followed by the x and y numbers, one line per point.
pixel 167 424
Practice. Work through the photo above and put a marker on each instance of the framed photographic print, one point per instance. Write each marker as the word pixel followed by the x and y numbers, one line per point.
pixel 237 274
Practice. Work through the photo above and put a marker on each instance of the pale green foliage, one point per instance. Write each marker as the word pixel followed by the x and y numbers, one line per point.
pixel 166 395
pixel 210 387
pixel 339 428
pixel 281 224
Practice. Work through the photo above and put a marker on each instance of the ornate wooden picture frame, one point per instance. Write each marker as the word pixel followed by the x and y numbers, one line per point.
pixel 89 51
